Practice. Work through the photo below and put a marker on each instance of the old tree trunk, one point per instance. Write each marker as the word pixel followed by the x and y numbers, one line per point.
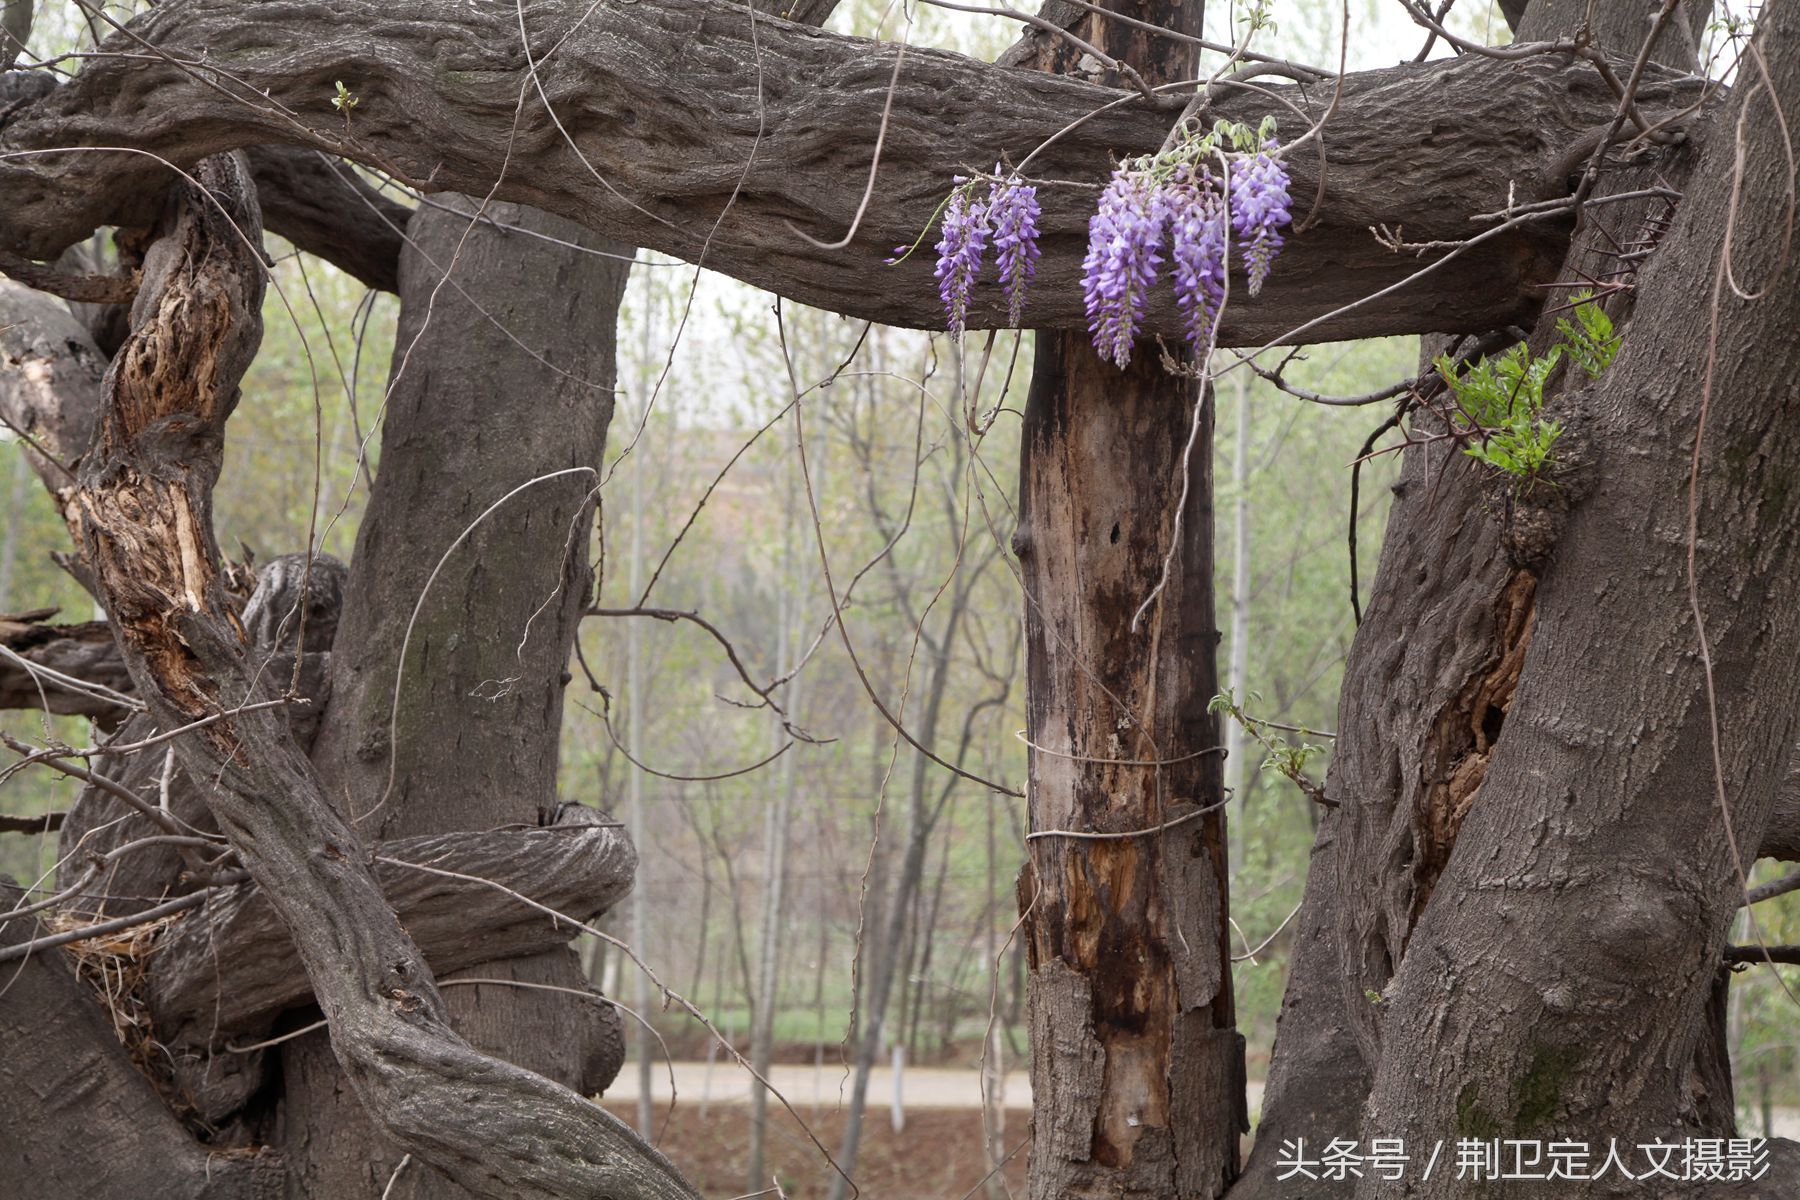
pixel 1569 716
pixel 1137 1071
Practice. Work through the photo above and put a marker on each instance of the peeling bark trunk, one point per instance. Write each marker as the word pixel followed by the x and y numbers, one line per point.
pixel 1137 1068
pixel 142 516
pixel 669 99
pixel 1137 1075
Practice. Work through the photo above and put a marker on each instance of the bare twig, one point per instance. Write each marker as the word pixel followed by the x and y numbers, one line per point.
pixel 101 928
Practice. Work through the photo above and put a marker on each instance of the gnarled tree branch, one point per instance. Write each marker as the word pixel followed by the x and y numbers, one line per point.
pixel 83 652
pixel 322 206
pixel 668 99
pixel 225 972
pixel 143 517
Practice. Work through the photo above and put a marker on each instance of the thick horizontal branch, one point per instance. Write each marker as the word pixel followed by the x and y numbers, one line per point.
pixel 681 112
pixel 50 822
pixel 1745 955
pixel 322 206
pixel 87 289
pixel 84 653
pixel 228 970
pixel 77 1118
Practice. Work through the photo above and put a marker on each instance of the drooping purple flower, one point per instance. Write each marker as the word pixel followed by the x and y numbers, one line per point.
pixel 1259 208
pixel 1124 238
pixel 965 231
pixel 1013 207
pixel 1197 223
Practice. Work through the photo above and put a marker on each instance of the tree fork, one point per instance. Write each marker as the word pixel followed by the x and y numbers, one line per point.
pixel 1603 856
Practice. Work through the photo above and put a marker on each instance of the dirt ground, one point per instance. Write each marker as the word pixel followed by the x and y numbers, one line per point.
pixel 938 1157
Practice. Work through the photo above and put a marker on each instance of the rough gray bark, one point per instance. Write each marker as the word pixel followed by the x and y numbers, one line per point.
pixel 77 1116
pixel 1427 687
pixel 51 385
pixel 1432 675
pixel 1424 709
pixel 225 974
pixel 481 401
pixel 145 529
pixel 663 98
pixel 85 652
pixel 1594 865
pixel 1618 27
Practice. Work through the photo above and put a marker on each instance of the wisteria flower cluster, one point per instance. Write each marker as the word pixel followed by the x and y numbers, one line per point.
pixel 1172 202
pixel 1008 216
pixel 1168 207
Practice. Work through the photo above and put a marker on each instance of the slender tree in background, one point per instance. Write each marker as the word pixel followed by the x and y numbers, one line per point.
pixel 778 830
pixel 1569 720
pixel 937 614
pixel 1237 763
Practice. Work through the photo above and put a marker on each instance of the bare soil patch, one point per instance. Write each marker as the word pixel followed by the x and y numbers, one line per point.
pixel 939 1156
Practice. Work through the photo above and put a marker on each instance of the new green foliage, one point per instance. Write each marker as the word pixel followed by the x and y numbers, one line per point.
pixel 1590 337
pixel 1499 402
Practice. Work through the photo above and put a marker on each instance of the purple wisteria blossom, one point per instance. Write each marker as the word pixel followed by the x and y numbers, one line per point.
pixel 1009 216
pixel 1013 207
pixel 1197 223
pixel 965 232
pixel 1124 239
pixel 1259 207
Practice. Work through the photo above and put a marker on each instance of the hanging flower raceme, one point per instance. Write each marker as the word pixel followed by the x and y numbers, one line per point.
pixel 1009 215
pixel 1014 208
pixel 1174 197
pixel 959 255
pixel 1124 241
pixel 1170 203
pixel 1259 207
pixel 1197 225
